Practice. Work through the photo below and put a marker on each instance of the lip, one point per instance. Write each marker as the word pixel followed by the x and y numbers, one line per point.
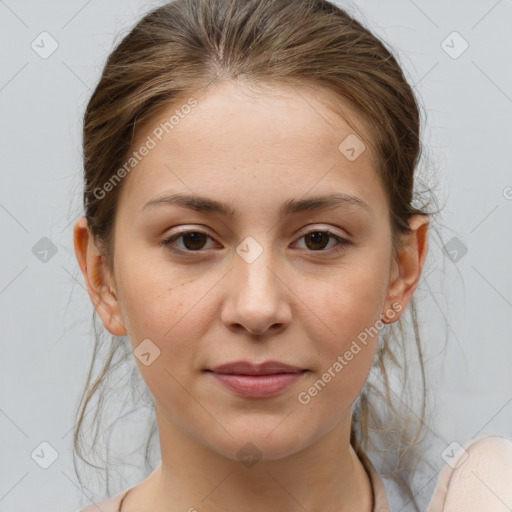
pixel 248 368
pixel 262 380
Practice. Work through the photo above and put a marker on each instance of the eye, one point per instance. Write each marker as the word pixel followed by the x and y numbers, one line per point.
pixel 193 241
pixel 318 239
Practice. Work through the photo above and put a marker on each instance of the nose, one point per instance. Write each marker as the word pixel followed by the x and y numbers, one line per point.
pixel 257 296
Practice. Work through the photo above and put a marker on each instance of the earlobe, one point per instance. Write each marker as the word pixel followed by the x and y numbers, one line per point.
pixel 97 279
pixel 408 266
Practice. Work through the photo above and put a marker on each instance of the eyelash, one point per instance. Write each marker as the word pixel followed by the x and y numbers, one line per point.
pixel 341 246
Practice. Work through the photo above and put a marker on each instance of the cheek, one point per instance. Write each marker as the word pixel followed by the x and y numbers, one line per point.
pixel 165 310
pixel 344 344
pixel 171 310
pixel 347 352
pixel 154 295
pixel 349 302
pixel 344 325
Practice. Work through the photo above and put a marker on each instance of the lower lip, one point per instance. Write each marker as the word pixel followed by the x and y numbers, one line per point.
pixel 258 386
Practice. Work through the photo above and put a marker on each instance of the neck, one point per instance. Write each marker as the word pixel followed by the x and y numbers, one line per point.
pixel 327 476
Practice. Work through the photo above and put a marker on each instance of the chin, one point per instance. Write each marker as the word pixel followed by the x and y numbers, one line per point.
pixel 254 446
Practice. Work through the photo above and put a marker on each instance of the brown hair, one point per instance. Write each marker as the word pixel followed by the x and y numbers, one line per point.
pixel 183 47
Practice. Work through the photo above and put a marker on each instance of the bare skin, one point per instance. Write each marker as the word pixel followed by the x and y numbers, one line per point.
pixel 300 301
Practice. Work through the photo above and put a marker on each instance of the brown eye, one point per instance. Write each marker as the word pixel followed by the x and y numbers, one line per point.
pixel 192 241
pixel 319 239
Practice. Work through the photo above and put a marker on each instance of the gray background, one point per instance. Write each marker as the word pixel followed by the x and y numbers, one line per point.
pixel 46 313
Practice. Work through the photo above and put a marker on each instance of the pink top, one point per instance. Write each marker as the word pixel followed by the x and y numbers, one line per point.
pixel 476 478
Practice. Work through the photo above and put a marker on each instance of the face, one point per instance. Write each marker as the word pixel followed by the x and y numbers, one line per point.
pixel 256 282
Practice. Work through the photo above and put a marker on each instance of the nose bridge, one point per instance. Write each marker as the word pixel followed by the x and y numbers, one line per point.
pixel 253 263
pixel 256 300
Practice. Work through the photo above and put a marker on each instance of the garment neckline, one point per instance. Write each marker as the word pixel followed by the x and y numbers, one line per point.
pixel 380 499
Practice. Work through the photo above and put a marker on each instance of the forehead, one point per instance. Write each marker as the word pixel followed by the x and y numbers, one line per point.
pixel 238 136
pixel 247 117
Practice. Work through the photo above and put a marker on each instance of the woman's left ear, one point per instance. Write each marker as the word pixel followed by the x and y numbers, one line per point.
pixel 407 268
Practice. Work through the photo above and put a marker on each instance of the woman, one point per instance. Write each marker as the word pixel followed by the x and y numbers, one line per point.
pixel 249 227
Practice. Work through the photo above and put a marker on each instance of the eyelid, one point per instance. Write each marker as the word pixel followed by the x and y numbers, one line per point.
pixel 307 229
pixel 342 244
pixel 329 229
pixel 166 242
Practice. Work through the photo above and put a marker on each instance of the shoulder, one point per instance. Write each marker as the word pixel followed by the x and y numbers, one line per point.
pixel 476 477
pixel 109 505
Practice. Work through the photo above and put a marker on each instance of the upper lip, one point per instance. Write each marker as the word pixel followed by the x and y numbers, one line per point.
pixel 247 368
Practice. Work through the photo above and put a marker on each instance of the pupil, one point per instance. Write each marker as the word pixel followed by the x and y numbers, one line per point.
pixel 317 237
pixel 196 239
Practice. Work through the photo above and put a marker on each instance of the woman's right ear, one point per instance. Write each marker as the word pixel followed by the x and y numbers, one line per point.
pixel 98 279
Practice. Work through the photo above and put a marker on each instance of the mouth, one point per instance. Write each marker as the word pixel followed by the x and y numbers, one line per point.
pixel 248 368
pixel 262 380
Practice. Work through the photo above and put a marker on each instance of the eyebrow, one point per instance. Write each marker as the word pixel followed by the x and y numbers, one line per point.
pixel 289 207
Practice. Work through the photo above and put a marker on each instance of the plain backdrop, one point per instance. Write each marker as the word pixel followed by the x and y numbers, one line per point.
pixel 457 55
